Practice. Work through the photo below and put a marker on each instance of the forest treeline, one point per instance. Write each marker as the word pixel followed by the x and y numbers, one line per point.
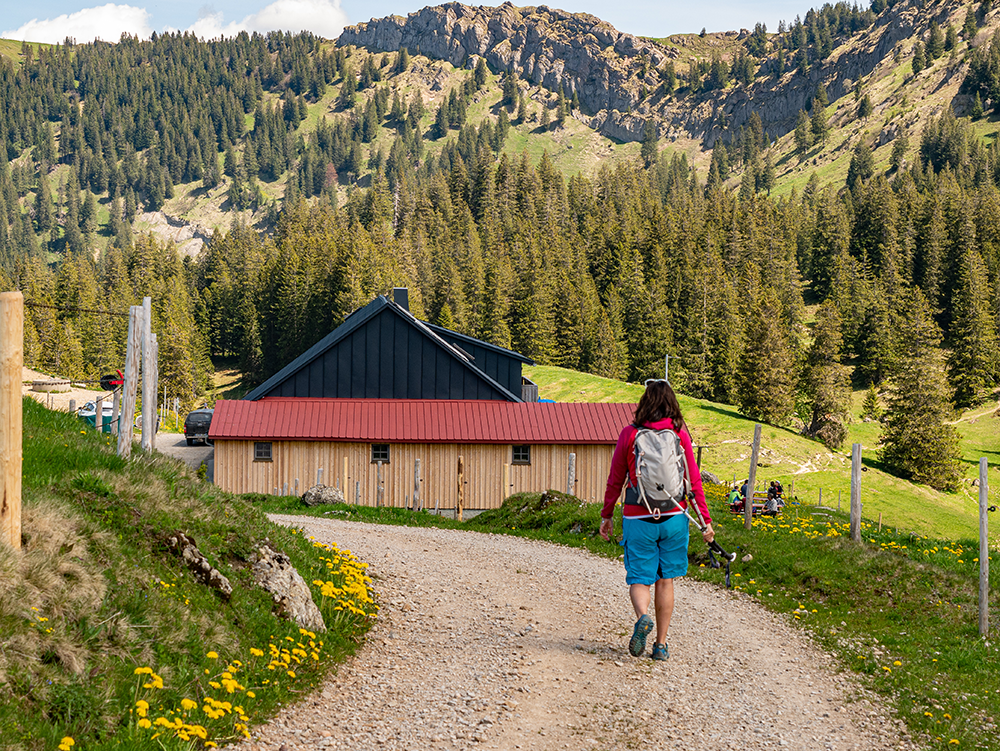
pixel 605 274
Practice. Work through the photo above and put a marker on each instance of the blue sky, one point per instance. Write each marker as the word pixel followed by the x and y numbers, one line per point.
pixel 85 20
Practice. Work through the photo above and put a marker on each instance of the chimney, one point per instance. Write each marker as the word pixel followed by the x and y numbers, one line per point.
pixel 401 296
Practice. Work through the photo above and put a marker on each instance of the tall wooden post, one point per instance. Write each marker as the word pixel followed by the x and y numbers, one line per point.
pixel 148 378
pixel 378 484
pixel 11 361
pixel 751 479
pixel 130 386
pixel 461 489
pixel 345 478
pixel 571 474
pixel 116 409
pixel 416 484
pixel 505 479
pixel 155 363
pixel 984 550
pixel 99 414
pixel 856 492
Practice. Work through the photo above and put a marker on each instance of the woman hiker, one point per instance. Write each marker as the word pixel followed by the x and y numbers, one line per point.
pixel 655 545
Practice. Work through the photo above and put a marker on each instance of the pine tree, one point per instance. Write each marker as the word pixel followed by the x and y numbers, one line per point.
pixel 919 61
pixel 766 372
pixel 870 407
pixel 974 362
pixel 826 382
pixel 935 42
pixel 917 443
pixel 819 123
pixel 803 133
pixel 650 150
pixel 865 108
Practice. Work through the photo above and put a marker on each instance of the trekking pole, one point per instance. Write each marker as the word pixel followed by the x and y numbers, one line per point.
pixel 713 546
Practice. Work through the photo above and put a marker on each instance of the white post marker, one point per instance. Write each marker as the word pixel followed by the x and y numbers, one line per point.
pixel 856 492
pixel 984 550
pixel 751 479
pixel 148 378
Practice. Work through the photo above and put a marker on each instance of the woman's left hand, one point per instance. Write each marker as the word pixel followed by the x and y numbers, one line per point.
pixel 708 534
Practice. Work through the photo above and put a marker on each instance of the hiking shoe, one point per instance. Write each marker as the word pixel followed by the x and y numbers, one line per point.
pixel 637 644
pixel 660 651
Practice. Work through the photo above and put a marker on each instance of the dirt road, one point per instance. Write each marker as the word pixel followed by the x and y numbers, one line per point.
pixel 494 642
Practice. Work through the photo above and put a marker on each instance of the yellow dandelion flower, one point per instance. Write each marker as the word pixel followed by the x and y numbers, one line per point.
pixel 188 704
pixel 145 724
pixel 212 655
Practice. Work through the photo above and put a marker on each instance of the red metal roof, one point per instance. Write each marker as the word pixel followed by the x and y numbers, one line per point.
pixel 419 421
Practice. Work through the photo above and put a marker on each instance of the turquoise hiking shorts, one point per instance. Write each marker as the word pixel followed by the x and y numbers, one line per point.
pixel 655 551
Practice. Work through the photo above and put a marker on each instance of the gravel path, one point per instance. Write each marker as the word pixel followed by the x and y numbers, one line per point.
pixel 493 642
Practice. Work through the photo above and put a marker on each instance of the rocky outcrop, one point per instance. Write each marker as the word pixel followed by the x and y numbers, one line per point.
pixel 319 495
pixel 616 76
pixel 184 546
pixel 608 70
pixel 274 572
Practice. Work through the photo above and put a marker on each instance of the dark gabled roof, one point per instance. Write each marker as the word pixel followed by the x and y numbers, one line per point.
pixel 357 320
pixel 420 421
pixel 477 343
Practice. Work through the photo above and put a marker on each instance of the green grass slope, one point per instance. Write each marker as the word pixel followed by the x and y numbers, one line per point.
pixel 107 638
pixel 806 467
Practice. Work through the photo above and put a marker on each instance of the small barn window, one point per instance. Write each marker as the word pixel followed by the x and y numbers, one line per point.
pixel 380 453
pixel 262 451
pixel 521 455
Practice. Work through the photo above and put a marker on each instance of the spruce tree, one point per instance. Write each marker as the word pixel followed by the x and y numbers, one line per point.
pixel 917 443
pixel 974 362
pixel 919 61
pixel 803 133
pixel 649 150
pixel 766 373
pixel 819 123
pixel 826 382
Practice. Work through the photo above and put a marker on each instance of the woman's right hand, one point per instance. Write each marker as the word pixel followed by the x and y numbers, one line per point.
pixel 607 528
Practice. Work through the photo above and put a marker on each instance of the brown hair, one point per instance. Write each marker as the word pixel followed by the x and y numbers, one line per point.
pixel 658 401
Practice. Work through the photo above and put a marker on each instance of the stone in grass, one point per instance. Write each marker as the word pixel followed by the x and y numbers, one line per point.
pixel 319 495
pixel 274 573
pixel 184 546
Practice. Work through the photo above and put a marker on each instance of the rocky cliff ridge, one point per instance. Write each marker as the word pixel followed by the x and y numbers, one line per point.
pixel 617 76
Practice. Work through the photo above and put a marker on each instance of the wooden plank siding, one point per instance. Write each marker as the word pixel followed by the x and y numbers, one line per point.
pixel 237 472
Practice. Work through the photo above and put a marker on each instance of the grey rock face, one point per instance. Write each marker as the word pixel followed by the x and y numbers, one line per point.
pixel 184 546
pixel 319 495
pixel 617 76
pixel 274 572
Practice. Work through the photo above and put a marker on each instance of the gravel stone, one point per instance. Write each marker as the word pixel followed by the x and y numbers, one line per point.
pixel 494 642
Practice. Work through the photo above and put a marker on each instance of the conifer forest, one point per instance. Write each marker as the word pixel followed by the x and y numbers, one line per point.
pixel 780 305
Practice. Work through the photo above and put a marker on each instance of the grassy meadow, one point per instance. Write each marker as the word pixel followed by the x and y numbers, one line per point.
pixel 807 468
pixel 106 638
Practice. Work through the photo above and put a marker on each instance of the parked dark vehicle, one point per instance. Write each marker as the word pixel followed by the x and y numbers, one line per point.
pixel 196 426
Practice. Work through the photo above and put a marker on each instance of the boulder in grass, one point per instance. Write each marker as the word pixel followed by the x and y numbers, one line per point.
pixel 184 546
pixel 274 573
pixel 319 495
pixel 708 477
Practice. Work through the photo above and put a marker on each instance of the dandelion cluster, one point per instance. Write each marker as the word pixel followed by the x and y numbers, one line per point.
pixel 345 582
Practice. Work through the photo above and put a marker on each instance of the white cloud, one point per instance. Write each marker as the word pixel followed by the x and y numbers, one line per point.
pixel 324 18
pixel 107 22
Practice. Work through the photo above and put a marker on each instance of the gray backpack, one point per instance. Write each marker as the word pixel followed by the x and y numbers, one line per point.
pixel 660 470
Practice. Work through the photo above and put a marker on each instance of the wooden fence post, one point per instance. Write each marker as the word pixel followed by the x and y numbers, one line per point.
pixel 984 550
pixel 345 477
pixel 416 484
pixel 751 479
pixel 319 477
pixel 571 474
pixel 99 414
pixel 856 492
pixel 72 406
pixel 378 484
pixel 11 413
pixel 505 479
pixel 116 410
pixel 461 489
pixel 148 378
pixel 130 386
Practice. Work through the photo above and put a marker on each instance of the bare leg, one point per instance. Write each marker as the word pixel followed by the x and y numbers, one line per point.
pixel 639 594
pixel 664 606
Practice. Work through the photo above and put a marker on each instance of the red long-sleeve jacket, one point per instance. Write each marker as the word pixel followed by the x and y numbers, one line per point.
pixel 623 469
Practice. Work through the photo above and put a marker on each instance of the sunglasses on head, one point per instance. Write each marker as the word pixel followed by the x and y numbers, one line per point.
pixel 654 380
